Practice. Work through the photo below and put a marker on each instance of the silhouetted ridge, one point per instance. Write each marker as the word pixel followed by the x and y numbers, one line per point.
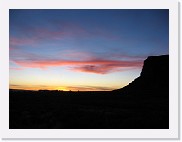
pixel 143 104
pixel 154 77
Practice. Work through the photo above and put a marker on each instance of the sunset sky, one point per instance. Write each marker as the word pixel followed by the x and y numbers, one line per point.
pixel 83 49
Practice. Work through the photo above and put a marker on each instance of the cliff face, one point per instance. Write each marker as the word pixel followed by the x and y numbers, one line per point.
pixel 153 78
pixel 156 71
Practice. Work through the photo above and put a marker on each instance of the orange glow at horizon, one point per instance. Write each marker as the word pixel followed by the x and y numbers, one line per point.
pixel 63 88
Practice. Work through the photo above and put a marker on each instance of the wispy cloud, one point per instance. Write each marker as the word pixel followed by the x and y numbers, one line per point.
pixel 104 69
pixel 33 35
pixel 37 36
pixel 20 41
pixel 99 66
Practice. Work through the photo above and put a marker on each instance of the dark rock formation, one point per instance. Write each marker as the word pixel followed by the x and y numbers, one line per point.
pixel 154 78
pixel 143 104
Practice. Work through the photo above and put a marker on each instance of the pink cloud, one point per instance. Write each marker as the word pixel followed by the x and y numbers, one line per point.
pixel 102 69
pixel 20 41
pixel 48 34
pixel 62 30
pixel 78 30
pixel 90 66
pixel 37 35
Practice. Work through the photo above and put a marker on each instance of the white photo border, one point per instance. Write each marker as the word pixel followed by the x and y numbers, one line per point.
pixel 171 133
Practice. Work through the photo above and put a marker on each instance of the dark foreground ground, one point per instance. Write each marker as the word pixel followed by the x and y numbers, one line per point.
pixel 87 110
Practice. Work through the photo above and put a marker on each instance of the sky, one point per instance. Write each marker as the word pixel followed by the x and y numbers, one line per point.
pixel 83 49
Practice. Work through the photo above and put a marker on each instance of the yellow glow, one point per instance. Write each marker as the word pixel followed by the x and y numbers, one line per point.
pixel 62 88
